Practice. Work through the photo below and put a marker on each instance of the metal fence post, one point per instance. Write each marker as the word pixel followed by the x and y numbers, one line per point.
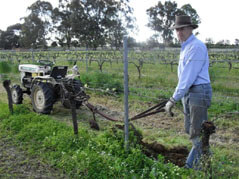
pixel 86 59
pixel 126 109
pixel 32 55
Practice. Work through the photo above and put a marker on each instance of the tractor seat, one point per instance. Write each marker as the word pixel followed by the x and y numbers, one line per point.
pixel 58 72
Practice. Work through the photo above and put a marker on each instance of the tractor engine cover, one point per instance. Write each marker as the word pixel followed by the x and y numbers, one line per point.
pixel 30 68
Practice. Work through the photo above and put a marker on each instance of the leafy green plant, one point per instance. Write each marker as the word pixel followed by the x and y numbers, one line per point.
pixel 5 67
pixel 14 68
pixel 4 111
pixel 223 107
pixel 102 81
pixel 86 155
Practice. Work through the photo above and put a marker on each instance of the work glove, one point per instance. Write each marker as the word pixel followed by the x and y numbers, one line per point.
pixel 75 70
pixel 169 105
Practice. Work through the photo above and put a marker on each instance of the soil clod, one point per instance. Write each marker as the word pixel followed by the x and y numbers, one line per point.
pixel 176 155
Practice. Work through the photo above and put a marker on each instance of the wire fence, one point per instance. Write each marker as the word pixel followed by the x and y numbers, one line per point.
pixel 142 66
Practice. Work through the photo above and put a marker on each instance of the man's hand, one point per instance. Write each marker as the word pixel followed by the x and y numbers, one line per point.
pixel 169 105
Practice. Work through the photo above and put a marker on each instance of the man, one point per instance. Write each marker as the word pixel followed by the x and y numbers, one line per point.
pixel 193 88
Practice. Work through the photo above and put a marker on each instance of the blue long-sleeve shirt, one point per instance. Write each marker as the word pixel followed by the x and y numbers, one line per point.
pixel 193 66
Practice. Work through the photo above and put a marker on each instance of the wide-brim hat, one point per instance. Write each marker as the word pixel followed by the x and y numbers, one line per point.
pixel 183 21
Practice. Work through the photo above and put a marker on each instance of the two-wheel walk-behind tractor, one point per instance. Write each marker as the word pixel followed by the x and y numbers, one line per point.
pixel 47 84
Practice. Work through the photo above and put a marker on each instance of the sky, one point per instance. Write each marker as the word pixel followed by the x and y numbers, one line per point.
pixel 219 18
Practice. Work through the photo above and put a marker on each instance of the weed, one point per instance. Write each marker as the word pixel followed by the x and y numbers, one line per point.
pixel 102 81
pixel 86 155
pixel 5 67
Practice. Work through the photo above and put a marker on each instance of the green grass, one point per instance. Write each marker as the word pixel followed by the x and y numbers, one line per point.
pixel 226 163
pixel 88 155
pixel 5 67
pixel 102 81
pixel 168 138
pixel 223 107
pixel 93 154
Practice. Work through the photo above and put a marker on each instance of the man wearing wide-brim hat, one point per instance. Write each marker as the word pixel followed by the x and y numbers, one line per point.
pixel 183 21
pixel 193 88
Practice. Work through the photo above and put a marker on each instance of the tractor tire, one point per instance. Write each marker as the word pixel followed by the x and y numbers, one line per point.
pixel 17 94
pixel 42 98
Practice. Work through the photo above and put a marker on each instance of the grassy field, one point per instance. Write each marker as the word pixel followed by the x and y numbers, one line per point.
pixel 157 82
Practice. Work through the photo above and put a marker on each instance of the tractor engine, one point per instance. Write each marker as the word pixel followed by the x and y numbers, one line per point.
pixel 29 71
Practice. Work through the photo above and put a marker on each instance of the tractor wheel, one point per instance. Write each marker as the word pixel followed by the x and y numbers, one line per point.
pixel 17 94
pixel 42 98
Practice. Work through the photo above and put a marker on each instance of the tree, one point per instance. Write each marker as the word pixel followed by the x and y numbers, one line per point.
pixel 91 30
pixel 10 38
pixel 220 44
pixel 37 25
pixel 62 23
pixel 187 9
pixel 131 42
pixel 162 16
pixel 54 44
pixel 153 42
pixel 116 34
pixel 30 32
pixel 237 42
pixel 92 23
pixel 209 42
pixel 223 43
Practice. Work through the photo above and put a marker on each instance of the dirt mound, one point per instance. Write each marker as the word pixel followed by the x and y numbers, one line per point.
pixel 176 155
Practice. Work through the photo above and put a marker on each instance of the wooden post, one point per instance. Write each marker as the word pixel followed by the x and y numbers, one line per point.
pixel 74 115
pixel 171 63
pixel 6 85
